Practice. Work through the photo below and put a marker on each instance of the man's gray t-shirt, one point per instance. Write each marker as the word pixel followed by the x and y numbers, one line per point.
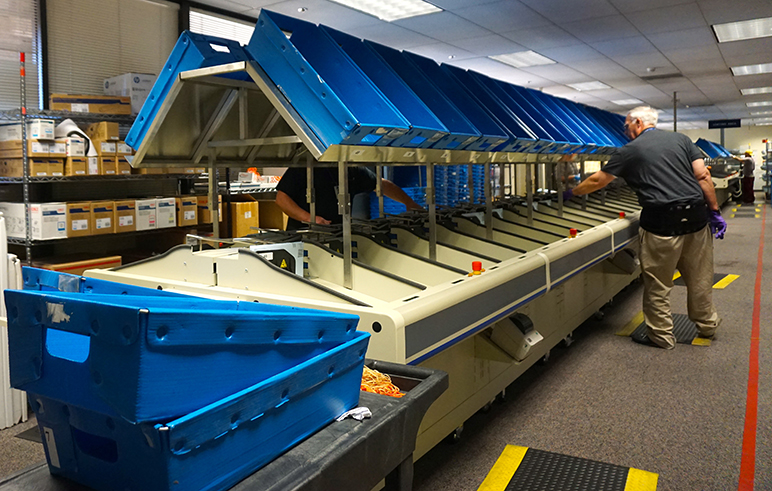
pixel 658 166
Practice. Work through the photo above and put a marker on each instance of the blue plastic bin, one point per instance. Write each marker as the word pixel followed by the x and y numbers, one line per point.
pixel 211 448
pixel 191 51
pixel 148 358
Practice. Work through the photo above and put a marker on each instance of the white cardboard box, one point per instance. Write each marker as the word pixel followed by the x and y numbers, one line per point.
pixel 134 85
pixel 37 129
pixel 166 209
pixel 76 147
pixel 146 210
pixel 48 220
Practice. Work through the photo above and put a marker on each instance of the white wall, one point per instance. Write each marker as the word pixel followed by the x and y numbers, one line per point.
pixel 738 140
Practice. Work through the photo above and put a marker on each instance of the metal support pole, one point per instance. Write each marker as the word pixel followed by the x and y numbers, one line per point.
pixel 529 193
pixel 344 207
pixel 470 182
pixel 25 160
pixel 581 174
pixel 561 171
pixel 432 211
pixel 379 188
pixel 675 111
pixel 310 192
pixel 214 196
pixel 488 202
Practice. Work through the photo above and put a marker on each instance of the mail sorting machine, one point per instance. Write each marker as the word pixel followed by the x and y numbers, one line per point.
pixel 724 170
pixel 306 95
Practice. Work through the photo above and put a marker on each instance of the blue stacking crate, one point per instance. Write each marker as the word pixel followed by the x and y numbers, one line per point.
pixel 598 137
pixel 613 123
pixel 462 131
pixel 590 122
pixel 554 110
pixel 709 148
pixel 493 135
pixel 338 102
pixel 147 357
pixel 211 448
pixel 391 207
pixel 191 51
pixel 425 128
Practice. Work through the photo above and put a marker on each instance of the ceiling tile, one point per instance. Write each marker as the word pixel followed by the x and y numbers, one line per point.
pixel 560 11
pixel 489 45
pixel 626 6
pixel 686 38
pixel 458 4
pixel 751 81
pixel 391 35
pixel 676 18
pixel 558 73
pixel 443 26
pixel 709 52
pixel 542 38
pixel 601 29
pixel 580 52
pixel 721 11
pixel 502 16
pixel 559 91
pixel 645 91
pixel 501 71
pixel 747 52
pixel 322 12
pixel 604 70
pixel 625 47
pixel 638 64
pixel 714 66
pixel 723 80
pixel 441 52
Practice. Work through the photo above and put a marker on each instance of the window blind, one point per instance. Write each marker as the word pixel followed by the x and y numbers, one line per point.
pixel 217 25
pixel 20 32
pixel 91 40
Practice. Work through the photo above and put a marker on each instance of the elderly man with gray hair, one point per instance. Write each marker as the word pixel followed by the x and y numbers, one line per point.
pixel 679 217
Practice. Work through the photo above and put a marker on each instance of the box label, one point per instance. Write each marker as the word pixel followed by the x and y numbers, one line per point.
pixel 103 223
pixel 126 221
pixel 267 255
pixel 189 215
pixel 247 214
pixel 80 224
pixel 79 108
pixel 53 454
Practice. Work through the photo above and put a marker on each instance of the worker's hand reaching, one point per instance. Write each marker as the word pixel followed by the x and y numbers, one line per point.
pixel 322 221
pixel 568 194
pixel 717 224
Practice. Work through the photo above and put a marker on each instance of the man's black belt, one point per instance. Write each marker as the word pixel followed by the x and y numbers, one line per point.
pixel 675 219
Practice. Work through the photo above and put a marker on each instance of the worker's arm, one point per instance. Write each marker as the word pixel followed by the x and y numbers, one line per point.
pixel 599 180
pixel 706 183
pixel 397 194
pixel 292 209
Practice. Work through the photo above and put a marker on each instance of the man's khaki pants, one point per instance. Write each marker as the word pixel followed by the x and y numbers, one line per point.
pixel 692 255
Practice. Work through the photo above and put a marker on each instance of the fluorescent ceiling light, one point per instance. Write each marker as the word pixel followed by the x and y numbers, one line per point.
pixel 758 90
pixel 627 102
pixel 589 86
pixel 523 59
pixel 752 69
pixel 391 10
pixel 763 124
pixel 747 29
pixel 757 104
pixel 761 113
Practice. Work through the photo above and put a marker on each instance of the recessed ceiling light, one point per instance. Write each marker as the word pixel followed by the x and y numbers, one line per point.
pixel 752 69
pixel 450 57
pixel 391 10
pixel 747 29
pixel 302 9
pixel 627 102
pixel 584 86
pixel 758 104
pixel 523 59
pixel 758 90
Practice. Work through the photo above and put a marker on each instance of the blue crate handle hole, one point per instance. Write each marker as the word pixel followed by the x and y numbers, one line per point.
pixel 99 447
pixel 67 345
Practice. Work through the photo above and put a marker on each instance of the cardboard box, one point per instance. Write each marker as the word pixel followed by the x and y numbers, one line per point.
pixel 75 147
pixel 75 166
pixel 122 166
pixel 134 85
pixel 58 148
pixel 204 214
pixel 92 166
pixel 104 148
pixel 244 216
pixel 145 213
pixel 166 212
pixel 47 220
pixel 79 219
pixel 56 167
pixel 37 129
pixel 125 216
pixel 148 170
pixel 103 130
pixel 12 149
pixel 187 208
pixel 107 166
pixel 122 148
pixel 271 215
pixel 102 217
pixel 15 167
pixel 78 267
pixel 100 104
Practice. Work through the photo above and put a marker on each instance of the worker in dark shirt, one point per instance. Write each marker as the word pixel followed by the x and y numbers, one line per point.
pixel 679 216
pixel 291 193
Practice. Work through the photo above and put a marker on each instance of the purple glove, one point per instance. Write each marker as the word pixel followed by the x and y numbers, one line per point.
pixel 717 224
pixel 567 195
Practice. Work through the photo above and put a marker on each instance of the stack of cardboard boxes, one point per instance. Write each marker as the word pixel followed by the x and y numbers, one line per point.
pixel 47 156
pixel 111 151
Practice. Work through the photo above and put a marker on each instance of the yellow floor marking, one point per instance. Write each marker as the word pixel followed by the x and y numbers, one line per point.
pixel 725 281
pixel 505 467
pixel 632 325
pixel 676 275
pixel 638 480
pixel 731 216
pixel 756 216
pixel 698 341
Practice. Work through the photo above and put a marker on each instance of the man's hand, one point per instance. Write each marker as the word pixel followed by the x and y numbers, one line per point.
pixel 568 194
pixel 717 224
pixel 322 221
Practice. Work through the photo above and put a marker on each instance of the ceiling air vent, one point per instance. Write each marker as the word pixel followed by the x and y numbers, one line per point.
pixel 662 76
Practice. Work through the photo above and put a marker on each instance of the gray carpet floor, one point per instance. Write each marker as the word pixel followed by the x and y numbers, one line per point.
pixel 677 413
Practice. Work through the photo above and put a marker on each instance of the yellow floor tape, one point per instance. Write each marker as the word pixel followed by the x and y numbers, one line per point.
pixel 725 281
pixel 676 275
pixel 638 480
pixel 632 325
pixel 504 468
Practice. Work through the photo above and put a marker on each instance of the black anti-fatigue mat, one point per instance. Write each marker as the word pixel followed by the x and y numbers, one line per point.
pixel 684 330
